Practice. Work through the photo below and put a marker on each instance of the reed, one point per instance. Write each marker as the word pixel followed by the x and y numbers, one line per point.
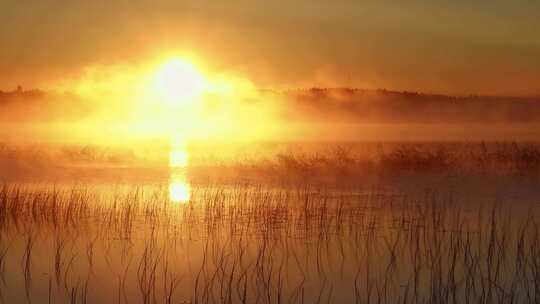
pixel 262 244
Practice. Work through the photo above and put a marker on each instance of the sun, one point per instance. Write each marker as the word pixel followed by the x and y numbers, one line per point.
pixel 179 82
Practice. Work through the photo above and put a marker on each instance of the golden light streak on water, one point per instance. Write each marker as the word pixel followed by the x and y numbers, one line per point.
pixel 179 186
pixel 178 158
pixel 179 190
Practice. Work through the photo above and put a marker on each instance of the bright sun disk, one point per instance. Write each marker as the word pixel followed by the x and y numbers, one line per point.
pixel 179 82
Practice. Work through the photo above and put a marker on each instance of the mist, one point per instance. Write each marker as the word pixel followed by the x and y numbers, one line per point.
pixel 35 116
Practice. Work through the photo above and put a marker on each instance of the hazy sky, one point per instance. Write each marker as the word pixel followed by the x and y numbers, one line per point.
pixel 461 47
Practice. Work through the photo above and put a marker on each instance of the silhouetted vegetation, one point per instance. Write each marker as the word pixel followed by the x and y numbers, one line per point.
pixel 21 95
pixel 361 106
pixel 353 163
pixel 253 244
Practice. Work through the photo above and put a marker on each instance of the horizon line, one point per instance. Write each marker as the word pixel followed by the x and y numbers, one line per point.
pixel 20 89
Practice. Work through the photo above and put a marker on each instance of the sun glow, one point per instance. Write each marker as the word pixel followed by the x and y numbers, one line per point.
pixel 170 94
pixel 179 82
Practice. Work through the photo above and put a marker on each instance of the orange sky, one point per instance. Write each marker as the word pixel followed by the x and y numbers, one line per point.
pixel 455 47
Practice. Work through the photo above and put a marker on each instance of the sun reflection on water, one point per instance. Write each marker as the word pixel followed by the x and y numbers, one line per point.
pixel 179 191
pixel 178 158
pixel 179 187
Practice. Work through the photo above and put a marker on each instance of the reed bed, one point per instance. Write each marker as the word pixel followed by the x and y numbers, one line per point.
pixel 260 244
pixel 347 164
pixel 343 163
